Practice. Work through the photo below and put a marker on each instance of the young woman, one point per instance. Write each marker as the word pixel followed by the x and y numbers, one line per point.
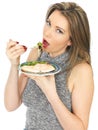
pixel 60 101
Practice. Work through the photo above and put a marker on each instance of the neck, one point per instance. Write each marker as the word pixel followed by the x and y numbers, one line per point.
pixel 55 54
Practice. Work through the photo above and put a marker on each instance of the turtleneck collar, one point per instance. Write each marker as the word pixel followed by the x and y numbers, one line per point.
pixel 60 59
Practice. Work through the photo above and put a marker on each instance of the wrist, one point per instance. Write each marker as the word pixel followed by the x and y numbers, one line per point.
pixel 15 62
pixel 53 98
pixel 14 66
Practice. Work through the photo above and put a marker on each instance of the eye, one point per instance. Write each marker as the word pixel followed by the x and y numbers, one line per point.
pixel 48 22
pixel 59 31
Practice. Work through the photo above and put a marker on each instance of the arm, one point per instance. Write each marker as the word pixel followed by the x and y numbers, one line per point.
pixel 12 96
pixel 14 88
pixel 82 93
pixel 15 83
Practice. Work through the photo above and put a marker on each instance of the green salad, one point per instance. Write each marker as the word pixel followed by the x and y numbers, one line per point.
pixel 32 63
pixel 39 44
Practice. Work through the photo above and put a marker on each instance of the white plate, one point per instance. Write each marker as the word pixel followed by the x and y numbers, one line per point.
pixel 57 70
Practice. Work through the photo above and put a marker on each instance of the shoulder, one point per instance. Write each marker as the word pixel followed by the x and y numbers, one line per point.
pixel 33 55
pixel 81 75
pixel 82 69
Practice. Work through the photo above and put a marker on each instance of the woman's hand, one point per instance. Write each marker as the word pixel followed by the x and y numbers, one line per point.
pixel 14 51
pixel 46 84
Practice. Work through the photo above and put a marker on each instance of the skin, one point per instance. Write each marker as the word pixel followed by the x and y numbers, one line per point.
pixel 56 33
pixel 80 82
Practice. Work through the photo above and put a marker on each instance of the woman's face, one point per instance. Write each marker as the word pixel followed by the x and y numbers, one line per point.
pixel 56 34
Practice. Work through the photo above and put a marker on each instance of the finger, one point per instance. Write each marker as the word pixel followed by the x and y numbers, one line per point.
pixel 17 47
pixel 30 76
pixel 17 53
pixel 16 50
pixel 11 43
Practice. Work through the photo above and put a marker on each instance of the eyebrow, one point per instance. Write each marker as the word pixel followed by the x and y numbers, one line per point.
pixel 56 26
pixel 60 28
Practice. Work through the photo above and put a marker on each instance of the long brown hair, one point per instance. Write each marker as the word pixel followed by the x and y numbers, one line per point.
pixel 79 51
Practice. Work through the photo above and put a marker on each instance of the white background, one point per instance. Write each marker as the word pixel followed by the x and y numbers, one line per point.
pixel 23 20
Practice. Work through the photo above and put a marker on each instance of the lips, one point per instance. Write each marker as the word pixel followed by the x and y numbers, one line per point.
pixel 45 43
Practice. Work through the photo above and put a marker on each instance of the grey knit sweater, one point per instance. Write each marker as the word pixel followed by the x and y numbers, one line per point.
pixel 40 115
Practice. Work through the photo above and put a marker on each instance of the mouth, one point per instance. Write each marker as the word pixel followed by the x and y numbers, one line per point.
pixel 45 43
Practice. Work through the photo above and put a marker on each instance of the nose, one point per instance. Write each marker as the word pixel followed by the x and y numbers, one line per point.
pixel 48 32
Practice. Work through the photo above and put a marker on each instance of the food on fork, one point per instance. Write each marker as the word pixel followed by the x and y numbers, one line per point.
pixel 35 52
pixel 39 45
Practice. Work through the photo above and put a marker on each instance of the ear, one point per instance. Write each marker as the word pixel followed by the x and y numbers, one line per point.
pixel 69 43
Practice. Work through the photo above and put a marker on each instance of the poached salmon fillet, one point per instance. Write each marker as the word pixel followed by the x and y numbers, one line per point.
pixel 38 68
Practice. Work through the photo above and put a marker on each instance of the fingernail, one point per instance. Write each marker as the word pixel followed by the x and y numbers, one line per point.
pixel 24 75
pixel 25 47
pixel 17 42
